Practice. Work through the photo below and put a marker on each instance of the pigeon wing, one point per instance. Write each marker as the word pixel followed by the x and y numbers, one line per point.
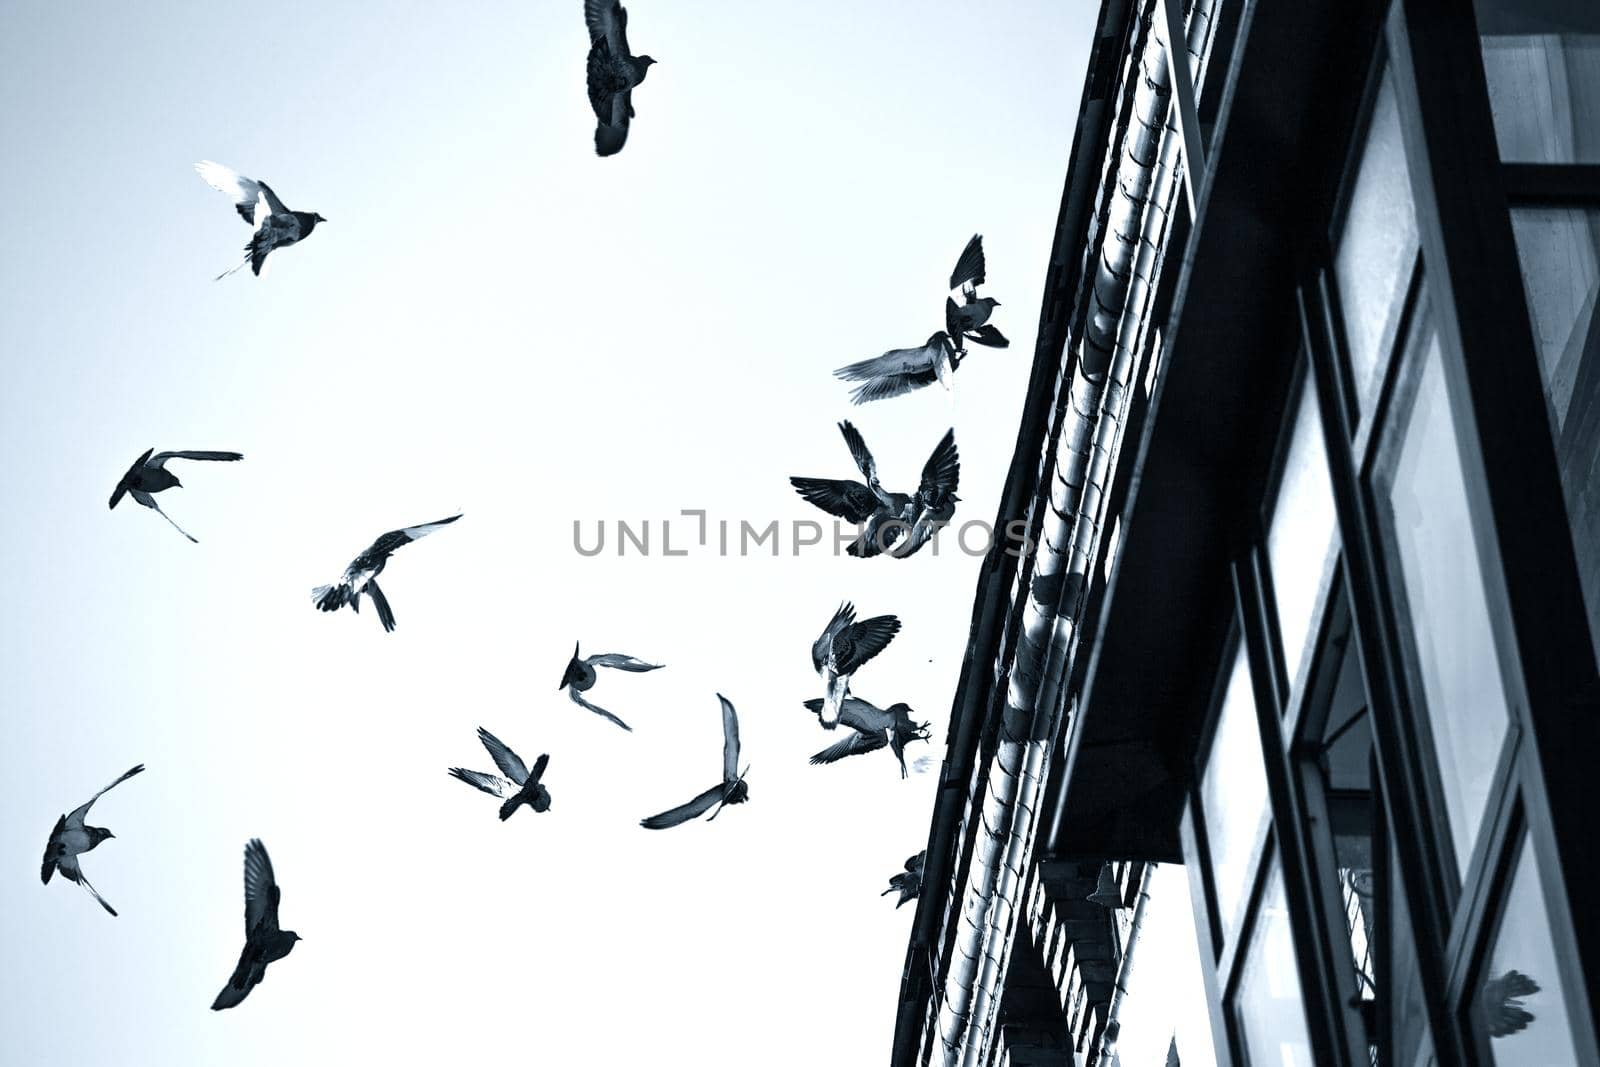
pixel 492 784
pixel 730 741
pixel 853 745
pixel 509 762
pixel 577 698
pixel 538 766
pixel 243 191
pixel 260 889
pixel 893 386
pixel 988 335
pixel 75 819
pixel 893 362
pixel 150 502
pixel 50 850
pixel 392 540
pixel 160 458
pixel 869 637
pixel 969 268
pixel 942 473
pixel 838 624
pixel 124 485
pixel 608 20
pixel 611 133
pixel 73 873
pixel 684 812
pixel 623 663
pixel 860 453
pixel 849 500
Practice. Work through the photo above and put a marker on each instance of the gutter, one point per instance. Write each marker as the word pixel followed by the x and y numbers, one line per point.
pixel 1107 1050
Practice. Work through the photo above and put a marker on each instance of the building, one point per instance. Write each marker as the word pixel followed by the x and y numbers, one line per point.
pixel 1311 600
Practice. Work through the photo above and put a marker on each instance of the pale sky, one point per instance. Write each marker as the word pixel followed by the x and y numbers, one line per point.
pixel 496 321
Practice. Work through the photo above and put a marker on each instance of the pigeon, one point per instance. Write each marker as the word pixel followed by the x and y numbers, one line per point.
pixel 275 225
pixel 264 943
pixel 843 647
pixel 614 71
pixel 361 576
pixel 580 678
pixel 72 837
pixel 522 788
pixel 901 370
pixel 149 475
pixel 874 728
pixel 910 883
pixel 970 318
pixel 731 790
pixel 1501 1001
pixel 887 518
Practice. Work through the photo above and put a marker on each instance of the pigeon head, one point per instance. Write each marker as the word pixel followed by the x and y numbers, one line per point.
pixel 541 800
pixel 98 834
pixel 989 302
pixel 738 794
pixel 641 66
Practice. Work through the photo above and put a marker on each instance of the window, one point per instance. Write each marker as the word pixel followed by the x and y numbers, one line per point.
pixel 1542 63
pixel 1268 1009
pixel 1560 252
pixel 1519 1008
pixel 1377 244
pixel 1434 560
pixel 1233 794
pixel 1301 530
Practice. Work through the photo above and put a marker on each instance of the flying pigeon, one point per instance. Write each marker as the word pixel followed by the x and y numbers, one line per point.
pixel 72 837
pixel 264 943
pixel 887 518
pixel 522 788
pixel 731 790
pixel 874 728
pixel 149 475
pixel 614 71
pixel 901 370
pixel 580 678
pixel 910 883
pixel 970 318
pixel 275 225
pixel 843 647
pixel 361 576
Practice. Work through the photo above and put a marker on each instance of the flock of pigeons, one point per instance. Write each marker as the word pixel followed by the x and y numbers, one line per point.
pixel 891 523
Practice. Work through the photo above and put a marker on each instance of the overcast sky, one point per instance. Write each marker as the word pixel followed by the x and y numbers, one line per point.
pixel 492 320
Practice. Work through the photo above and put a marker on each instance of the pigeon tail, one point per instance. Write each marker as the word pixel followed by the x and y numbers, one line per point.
pixel 509 807
pixel 381 603
pixel 331 597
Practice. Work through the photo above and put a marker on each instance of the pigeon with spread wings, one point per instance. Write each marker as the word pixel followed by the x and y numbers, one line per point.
pixel 149 475
pixel 888 520
pixel 275 225
pixel 845 645
pixel 519 786
pixel 264 942
pixel 72 837
pixel 361 576
pixel 731 790
pixel 902 370
pixel 969 320
pixel 871 728
pixel 613 73
pixel 580 677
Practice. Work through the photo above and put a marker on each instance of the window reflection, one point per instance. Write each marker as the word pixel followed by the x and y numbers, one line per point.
pixel 1377 244
pixel 1519 1008
pixel 1233 794
pixel 1301 530
pixel 1542 63
pixel 1270 1013
pixel 1433 551
pixel 1560 253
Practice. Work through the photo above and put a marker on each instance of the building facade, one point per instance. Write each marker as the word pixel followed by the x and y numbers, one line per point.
pixel 1274 739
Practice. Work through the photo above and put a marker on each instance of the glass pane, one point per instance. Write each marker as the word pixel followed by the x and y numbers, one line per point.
pixel 1542 63
pixel 1301 530
pixel 1519 1007
pixel 1455 672
pixel 1409 1041
pixel 1233 794
pixel 1560 253
pixel 1377 245
pixel 1271 1015
pixel 1166 1004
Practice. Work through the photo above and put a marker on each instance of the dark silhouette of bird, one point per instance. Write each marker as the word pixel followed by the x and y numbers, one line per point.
pixel 1501 1001
pixel 275 225
pixel 731 790
pixel 362 574
pixel 841 650
pixel 149 475
pixel 264 942
pixel 614 71
pixel 970 318
pixel 580 678
pixel 72 837
pixel 888 520
pixel 520 786
pixel 873 727
pixel 901 370
pixel 909 884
